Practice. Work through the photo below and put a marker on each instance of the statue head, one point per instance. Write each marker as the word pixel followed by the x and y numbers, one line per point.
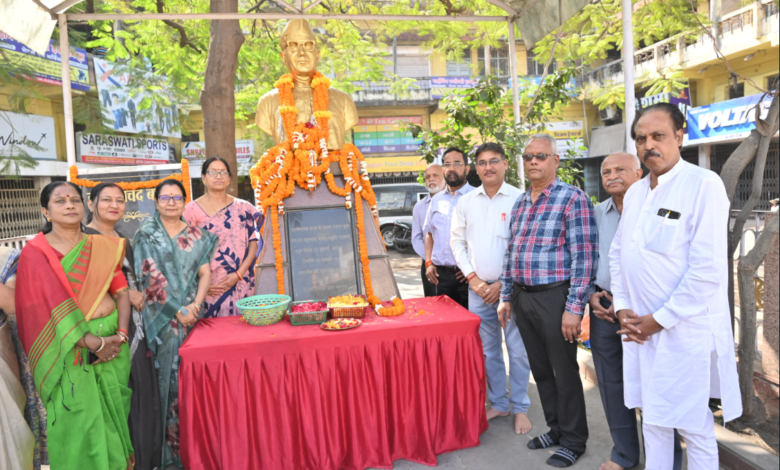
pixel 299 48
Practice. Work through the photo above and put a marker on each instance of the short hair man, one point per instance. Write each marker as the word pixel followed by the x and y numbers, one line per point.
pixel 434 182
pixel 441 267
pixel 479 239
pixel 669 281
pixel 618 172
pixel 546 275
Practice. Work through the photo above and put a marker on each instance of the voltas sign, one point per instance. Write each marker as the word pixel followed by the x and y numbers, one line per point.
pixel 727 120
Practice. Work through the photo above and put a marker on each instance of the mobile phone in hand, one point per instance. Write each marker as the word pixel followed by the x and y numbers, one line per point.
pixel 605 302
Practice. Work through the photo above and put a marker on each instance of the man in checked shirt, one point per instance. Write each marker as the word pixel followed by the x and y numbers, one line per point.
pixel 547 271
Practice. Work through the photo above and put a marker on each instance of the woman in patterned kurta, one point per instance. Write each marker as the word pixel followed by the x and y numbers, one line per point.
pixel 236 222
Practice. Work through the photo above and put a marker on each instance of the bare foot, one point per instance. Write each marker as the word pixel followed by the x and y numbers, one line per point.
pixel 494 413
pixel 610 466
pixel 522 424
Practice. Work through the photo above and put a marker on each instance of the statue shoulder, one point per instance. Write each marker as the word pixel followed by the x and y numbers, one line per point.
pixel 269 100
pixel 344 103
pixel 266 107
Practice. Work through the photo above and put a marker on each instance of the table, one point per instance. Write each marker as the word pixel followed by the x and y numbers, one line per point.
pixel 296 397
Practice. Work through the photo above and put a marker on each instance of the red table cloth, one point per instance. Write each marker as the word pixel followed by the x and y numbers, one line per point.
pixel 296 397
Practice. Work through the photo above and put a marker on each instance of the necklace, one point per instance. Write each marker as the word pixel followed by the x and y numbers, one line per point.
pixel 211 206
pixel 91 225
pixel 63 242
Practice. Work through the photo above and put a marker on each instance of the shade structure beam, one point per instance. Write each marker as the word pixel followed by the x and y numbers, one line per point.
pixel 275 16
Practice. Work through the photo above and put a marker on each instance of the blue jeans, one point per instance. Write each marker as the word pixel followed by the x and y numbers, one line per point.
pixel 519 368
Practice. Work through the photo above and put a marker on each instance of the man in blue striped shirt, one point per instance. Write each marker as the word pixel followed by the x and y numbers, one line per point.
pixel 547 271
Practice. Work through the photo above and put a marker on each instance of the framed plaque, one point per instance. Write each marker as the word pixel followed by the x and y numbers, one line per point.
pixel 322 246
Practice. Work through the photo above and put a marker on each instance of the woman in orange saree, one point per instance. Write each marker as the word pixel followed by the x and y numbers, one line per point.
pixel 73 311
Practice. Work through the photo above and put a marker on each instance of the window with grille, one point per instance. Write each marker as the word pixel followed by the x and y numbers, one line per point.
pixel 772 83
pixel 20 208
pixel 499 62
pixel 536 69
pixel 737 92
pixel 460 69
pixel 193 137
pixel 771 186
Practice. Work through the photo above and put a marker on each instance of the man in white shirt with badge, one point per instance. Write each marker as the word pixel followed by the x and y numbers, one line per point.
pixel 479 238
pixel 669 283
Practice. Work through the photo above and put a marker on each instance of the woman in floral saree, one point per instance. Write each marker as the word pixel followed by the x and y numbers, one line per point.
pixel 73 312
pixel 169 256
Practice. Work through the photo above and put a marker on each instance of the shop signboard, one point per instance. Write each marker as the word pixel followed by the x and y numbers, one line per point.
pixel 195 153
pixel 322 253
pixel 395 164
pixel 47 68
pixel 681 100
pixel 440 85
pixel 122 150
pixel 28 134
pixel 123 110
pixel 727 120
pixel 384 135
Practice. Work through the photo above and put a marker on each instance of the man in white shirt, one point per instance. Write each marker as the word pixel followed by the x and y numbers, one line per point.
pixel 434 182
pixel 669 283
pixel 479 238
pixel 440 265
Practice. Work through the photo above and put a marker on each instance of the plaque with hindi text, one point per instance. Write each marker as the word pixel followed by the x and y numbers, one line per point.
pixel 322 253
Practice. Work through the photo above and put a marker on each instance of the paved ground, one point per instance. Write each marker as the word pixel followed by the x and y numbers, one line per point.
pixel 501 448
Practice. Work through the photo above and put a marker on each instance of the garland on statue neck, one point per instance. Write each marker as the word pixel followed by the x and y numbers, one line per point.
pixel 303 158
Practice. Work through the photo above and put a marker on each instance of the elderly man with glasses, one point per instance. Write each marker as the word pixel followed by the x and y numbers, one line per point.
pixel 553 248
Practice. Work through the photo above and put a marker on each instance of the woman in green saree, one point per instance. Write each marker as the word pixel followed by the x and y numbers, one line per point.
pixel 73 311
pixel 169 256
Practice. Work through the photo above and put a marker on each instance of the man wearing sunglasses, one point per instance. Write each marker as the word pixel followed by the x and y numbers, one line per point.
pixel 547 270
pixel 479 236
pixel 441 268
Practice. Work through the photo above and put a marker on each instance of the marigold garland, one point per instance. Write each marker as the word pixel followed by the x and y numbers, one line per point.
pixel 303 158
pixel 394 311
pixel 184 177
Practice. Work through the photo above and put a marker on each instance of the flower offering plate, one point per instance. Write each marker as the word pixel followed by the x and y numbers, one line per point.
pixel 339 324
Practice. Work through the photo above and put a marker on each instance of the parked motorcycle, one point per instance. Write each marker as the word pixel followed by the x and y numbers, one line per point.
pixel 402 237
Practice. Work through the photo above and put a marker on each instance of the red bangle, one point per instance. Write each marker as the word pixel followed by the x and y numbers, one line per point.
pixel 428 263
pixel 471 276
pixel 120 330
pixel 240 277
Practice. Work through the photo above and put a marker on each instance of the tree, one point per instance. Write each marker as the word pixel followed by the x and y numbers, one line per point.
pixel 754 148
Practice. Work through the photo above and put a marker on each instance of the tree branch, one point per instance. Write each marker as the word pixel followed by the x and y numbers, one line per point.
pixel 183 39
pixel 544 75
pixel 255 6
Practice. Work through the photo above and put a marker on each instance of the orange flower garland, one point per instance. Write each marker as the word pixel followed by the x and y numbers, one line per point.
pixel 184 177
pixel 394 311
pixel 303 158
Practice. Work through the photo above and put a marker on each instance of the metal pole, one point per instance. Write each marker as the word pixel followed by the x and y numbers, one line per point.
pixel 487 57
pixel 515 95
pixel 628 72
pixel 67 97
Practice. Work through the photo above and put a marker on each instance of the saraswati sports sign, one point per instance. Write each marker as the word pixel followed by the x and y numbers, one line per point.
pixel 727 120
pixel 122 150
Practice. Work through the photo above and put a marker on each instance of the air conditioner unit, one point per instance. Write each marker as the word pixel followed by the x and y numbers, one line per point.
pixel 608 113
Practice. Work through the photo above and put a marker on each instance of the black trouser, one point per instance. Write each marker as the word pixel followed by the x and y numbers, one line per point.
pixel 450 285
pixel 553 362
pixel 429 290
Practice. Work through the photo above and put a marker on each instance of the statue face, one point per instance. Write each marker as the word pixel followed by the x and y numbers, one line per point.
pixel 301 54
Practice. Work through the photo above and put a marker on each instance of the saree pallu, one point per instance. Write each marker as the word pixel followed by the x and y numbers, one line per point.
pixel 87 405
pixel 167 268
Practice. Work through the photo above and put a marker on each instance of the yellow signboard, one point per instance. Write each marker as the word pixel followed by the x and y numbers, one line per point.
pixel 395 164
pixel 565 130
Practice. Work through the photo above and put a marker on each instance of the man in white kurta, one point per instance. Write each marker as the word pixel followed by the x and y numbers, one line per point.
pixel 669 281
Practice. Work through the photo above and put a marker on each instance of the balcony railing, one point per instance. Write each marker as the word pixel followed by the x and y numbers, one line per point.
pixel 736 31
pixel 420 90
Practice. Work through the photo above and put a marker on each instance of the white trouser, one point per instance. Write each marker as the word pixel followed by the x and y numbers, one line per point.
pixel 701 446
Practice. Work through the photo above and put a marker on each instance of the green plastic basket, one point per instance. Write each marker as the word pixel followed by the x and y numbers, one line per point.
pixel 308 318
pixel 261 310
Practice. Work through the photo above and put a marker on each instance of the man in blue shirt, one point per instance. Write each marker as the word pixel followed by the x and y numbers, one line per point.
pixel 441 268
pixel 434 182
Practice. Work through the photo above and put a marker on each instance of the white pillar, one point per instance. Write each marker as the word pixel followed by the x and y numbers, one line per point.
pixel 628 72
pixel 487 57
pixel 704 156
pixel 515 95
pixel 67 97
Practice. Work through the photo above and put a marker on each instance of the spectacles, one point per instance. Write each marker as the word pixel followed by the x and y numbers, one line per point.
pixel 218 174
pixel 165 199
pixel 308 46
pixel 539 156
pixel 491 162
pixel 453 165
